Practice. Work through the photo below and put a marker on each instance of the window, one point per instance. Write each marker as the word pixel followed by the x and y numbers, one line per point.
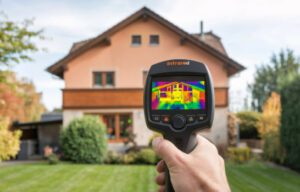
pixel 110 78
pixel 136 40
pixel 98 79
pixel 110 122
pixel 125 125
pixel 154 40
pixel 103 79
pixel 119 126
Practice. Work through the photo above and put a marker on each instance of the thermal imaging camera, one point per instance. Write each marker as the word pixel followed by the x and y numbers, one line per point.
pixel 178 102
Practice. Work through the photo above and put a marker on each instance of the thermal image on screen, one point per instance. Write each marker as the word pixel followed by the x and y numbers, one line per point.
pixel 182 95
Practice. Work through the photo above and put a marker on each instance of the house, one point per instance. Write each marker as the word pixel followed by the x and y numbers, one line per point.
pixel 105 75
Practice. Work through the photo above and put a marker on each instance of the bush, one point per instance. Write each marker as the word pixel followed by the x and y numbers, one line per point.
pixel 147 156
pixel 129 158
pixel 53 159
pixel 84 140
pixel 273 150
pixel 239 154
pixel 248 124
pixel 290 123
pixel 113 158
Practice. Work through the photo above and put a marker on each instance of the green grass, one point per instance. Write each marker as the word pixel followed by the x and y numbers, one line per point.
pixel 110 178
pixel 255 176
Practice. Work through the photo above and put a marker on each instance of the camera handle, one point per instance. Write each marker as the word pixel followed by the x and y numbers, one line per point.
pixel 184 144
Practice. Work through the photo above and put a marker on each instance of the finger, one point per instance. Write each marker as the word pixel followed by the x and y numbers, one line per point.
pixel 160 179
pixel 160 167
pixel 167 151
pixel 203 144
pixel 161 189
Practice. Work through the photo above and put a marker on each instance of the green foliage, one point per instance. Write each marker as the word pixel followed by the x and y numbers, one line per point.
pixel 273 150
pixel 53 159
pixel 248 124
pixel 273 77
pixel 16 40
pixel 144 156
pixel 147 156
pixel 113 157
pixel 84 140
pixel 129 158
pixel 290 123
pixel 239 154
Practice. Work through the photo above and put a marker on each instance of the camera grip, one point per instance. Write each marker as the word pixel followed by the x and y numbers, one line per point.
pixel 184 144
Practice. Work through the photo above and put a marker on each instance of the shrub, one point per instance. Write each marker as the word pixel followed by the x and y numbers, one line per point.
pixel 84 140
pixel 113 157
pixel 239 154
pixel 248 124
pixel 273 150
pixel 290 123
pixel 53 159
pixel 147 156
pixel 9 140
pixel 129 158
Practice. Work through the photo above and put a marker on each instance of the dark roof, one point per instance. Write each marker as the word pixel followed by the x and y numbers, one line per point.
pixel 26 124
pixel 212 45
pixel 46 119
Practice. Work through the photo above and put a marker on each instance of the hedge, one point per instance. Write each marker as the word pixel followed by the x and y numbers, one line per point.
pixel 290 123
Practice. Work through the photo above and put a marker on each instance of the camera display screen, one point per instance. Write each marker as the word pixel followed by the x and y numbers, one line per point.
pixel 178 95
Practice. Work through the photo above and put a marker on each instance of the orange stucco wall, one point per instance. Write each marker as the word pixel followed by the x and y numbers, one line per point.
pixel 129 62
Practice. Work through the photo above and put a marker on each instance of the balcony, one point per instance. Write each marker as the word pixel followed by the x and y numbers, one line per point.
pixel 118 98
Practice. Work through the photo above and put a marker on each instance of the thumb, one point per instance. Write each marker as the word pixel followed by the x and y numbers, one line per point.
pixel 167 151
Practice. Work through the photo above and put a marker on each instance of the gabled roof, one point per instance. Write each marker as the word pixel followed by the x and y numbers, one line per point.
pixel 145 13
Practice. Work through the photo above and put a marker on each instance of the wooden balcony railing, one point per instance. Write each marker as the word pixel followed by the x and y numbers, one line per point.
pixel 118 98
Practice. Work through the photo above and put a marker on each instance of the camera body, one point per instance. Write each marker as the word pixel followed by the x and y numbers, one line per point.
pixel 179 100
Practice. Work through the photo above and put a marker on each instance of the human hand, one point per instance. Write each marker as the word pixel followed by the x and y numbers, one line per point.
pixel 201 170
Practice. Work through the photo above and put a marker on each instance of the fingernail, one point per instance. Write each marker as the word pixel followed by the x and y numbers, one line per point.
pixel 156 141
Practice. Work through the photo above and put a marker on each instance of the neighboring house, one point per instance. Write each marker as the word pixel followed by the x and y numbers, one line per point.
pixel 37 135
pixel 105 75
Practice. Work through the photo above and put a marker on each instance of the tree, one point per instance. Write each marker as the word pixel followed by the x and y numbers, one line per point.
pixel 9 140
pixel 272 77
pixel 16 41
pixel 268 128
pixel 270 118
pixel 19 99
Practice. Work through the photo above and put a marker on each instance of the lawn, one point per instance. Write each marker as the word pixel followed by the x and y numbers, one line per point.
pixel 116 178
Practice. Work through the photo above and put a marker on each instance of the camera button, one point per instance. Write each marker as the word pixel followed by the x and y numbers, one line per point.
pixel 166 119
pixel 190 119
pixel 156 118
pixel 178 121
pixel 201 117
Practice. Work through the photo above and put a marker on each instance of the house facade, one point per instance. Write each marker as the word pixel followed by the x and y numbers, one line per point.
pixel 105 75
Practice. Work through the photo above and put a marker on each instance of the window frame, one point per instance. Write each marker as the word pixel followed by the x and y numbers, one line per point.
pixel 152 43
pixel 103 79
pixel 117 126
pixel 136 44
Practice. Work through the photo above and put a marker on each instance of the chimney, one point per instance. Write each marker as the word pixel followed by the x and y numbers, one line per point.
pixel 201 30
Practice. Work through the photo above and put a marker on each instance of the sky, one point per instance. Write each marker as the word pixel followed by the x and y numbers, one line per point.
pixel 251 31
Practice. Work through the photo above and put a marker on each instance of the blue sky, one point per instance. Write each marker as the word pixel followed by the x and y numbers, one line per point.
pixel 251 30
